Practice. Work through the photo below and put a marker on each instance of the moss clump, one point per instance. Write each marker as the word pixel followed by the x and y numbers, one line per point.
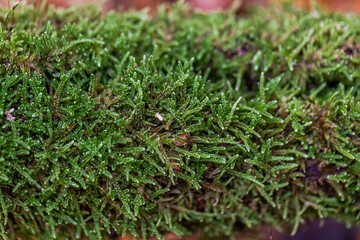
pixel 123 122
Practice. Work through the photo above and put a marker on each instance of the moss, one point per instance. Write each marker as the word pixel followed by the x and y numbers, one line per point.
pixel 124 123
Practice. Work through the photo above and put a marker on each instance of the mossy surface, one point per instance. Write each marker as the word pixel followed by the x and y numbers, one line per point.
pixel 125 123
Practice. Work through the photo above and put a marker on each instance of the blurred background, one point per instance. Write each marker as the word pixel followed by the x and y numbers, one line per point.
pixel 328 229
pixel 207 5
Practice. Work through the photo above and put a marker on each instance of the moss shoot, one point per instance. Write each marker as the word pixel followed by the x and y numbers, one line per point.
pixel 127 123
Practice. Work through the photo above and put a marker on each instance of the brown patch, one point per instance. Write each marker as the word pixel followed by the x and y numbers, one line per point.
pixel 323 127
pixel 242 50
pixel 350 48
pixel 211 187
pixel 199 202
pixel 316 173
pixel 127 237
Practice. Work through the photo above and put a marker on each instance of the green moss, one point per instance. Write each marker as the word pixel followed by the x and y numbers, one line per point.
pixel 123 122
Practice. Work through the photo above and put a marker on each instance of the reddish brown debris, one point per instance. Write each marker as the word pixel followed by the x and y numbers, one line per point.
pixel 178 142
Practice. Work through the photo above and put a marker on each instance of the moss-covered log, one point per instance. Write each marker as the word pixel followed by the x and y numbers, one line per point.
pixel 125 123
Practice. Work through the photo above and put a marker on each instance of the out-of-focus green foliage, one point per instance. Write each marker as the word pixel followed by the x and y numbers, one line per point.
pixel 125 123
